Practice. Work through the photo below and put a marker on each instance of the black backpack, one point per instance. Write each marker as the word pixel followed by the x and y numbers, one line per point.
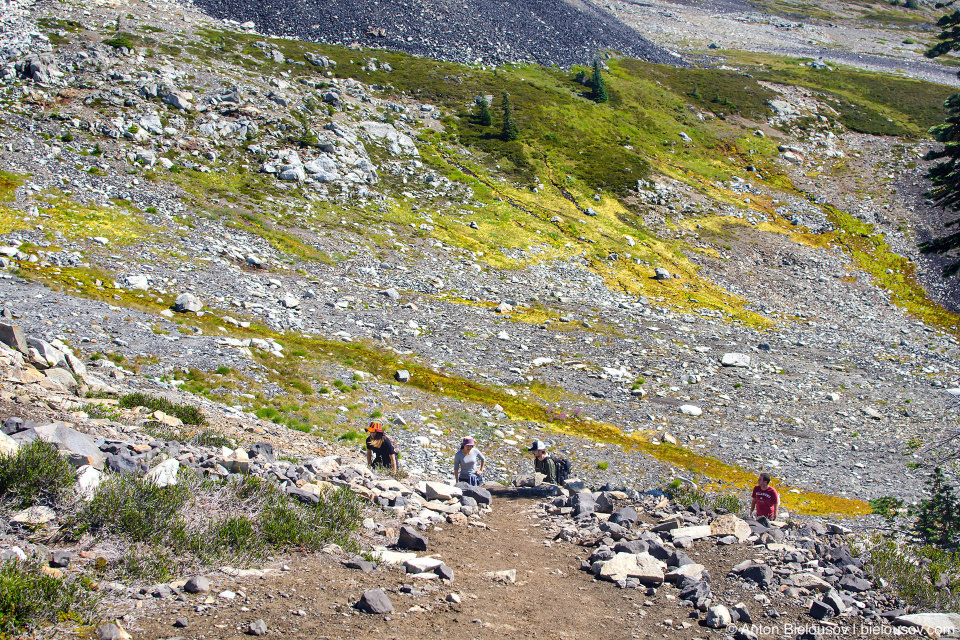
pixel 563 470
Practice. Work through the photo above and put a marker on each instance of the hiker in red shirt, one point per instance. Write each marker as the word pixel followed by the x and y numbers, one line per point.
pixel 766 500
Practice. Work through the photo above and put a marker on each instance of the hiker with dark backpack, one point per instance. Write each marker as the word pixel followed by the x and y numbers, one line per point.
pixel 556 470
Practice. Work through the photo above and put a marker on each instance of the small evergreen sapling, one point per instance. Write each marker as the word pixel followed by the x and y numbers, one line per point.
pixel 484 118
pixel 599 94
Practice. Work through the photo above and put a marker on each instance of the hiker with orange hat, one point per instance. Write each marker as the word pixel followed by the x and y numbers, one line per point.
pixel 381 453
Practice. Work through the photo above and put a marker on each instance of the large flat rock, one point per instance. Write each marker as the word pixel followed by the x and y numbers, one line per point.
pixel 695 533
pixel 641 566
pixel 68 439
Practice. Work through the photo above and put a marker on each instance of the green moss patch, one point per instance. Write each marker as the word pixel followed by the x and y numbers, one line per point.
pixel 866 100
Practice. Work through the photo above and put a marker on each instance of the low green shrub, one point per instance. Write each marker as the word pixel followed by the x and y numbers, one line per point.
pixel 31 599
pixel 303 387
pixel 887 506
pixel 134 509
pixel 687 495
pixel 925 576
pixel 603 466
pixel 186 413
pixel 210 438
pixel 35 475
pixel 351 436
pixel 206 437
pixel 728 503
pixel 205 521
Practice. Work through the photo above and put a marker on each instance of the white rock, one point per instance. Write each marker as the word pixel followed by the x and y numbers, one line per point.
pixel 810 581
pixel 8 446
pixel 422 565
pixel 735 360
pixel 695 532
pixel 35 515
pixel 136 282
pixel 718 617
pixel 943 625
pixel 385 556
pixel 440 491
pixel 187 302
pixel 692 570
pixel 642 567
pixel 88 479
pixel 165 473
pixel 730 524
pixel 508 576
pixel 691 410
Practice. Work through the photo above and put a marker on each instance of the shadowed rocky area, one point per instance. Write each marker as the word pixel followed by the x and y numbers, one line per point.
pixel 476 31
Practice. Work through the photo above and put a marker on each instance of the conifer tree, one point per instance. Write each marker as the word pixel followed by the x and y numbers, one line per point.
pixel 945 175
pixel 509 131
pixel 938 517
pixel 484 118
pixel 597 84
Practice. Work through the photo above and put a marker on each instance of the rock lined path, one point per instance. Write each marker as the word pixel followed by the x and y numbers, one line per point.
pixel 551 598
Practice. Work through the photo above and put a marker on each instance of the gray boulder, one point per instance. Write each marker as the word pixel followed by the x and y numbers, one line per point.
pixel 69 440
pixel 322 169
pixel 62 377
pixel 698 593
pixel 753 572
pixel 187 302
pixel 13 337
pixel 292 174
pixel 124 464
pixel 583 503
pixel 632 546
pixel 445 572
pixel 411 539
pixel 718 617
pixel 625 516
pixel 821 610
pixel 855 584
pixel 50 354
pixel 178 100
pixel 481 495
pixel 375 601
pixel 604 503
pixel 946 624
pixel 197 584
pixel 40 68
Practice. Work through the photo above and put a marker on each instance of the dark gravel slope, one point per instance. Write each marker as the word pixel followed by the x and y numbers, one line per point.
pixel 562 32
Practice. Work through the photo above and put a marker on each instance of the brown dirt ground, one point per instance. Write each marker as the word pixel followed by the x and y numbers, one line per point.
pixel 314 599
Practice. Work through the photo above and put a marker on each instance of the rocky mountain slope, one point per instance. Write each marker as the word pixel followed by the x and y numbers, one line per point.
pixel 561 32
pixel 294 239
